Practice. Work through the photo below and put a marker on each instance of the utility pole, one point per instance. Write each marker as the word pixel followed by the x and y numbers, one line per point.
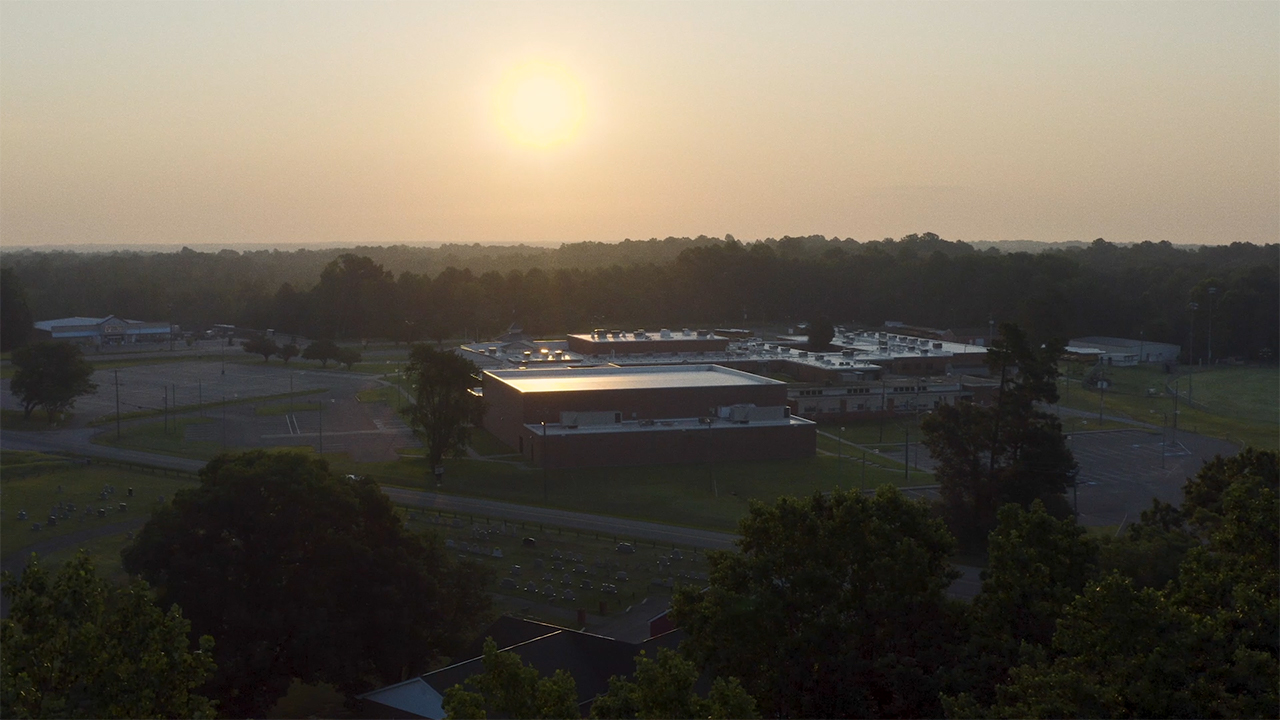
pixel 166 408
pixel 906 455
pixel 320 412
pixel 224 421
pixel 1213 291
pixel 117 373
pixel 544 461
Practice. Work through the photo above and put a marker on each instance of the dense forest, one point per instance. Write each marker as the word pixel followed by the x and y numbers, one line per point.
pixel 1158 291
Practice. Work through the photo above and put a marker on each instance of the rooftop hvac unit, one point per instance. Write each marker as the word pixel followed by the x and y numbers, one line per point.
pixel 804 353
pixel 664 333
pixel 493 351
pixel 686 332
pixel 527 354
pixel 847 353
pixel 937 346
pixel 704 333
pixel 924 351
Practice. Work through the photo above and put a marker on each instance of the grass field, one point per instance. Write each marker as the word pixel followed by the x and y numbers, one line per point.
pixel 154 437
pixel 80 484
pixel 39 420
pixel 1230 403
pixel 712 495
pixel 111 417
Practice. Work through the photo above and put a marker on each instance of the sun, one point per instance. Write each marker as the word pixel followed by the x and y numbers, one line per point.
pixel 539 104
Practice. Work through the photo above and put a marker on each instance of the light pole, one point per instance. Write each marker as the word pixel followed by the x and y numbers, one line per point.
pixel 1191 334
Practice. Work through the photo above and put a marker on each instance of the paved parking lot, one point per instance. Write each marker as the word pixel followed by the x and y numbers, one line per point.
pixel 1120 470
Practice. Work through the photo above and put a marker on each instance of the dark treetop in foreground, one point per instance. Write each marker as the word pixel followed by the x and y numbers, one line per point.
pixel 302 574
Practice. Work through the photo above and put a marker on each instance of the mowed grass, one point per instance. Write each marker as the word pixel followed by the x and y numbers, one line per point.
pixel 156 438
pixel 81 485
pixel 1247 393
pixel 1235 397
pixel 711 495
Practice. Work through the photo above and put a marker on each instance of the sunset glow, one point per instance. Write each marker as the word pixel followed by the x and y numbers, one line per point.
pixel 539 105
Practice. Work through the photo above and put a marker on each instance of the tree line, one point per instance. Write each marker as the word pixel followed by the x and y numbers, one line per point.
pixel 1156 291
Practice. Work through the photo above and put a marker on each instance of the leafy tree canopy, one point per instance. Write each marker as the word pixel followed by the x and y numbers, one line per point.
pixel 835 606
pixel 512 689
pixel 1009 452
pixel 50 375
pixel 820 333
pixel 1204 645
pixel 264 346
pixel 663 688
pixel 288 352
pixel 15 314
pixel 322 350
pixel 1036 566
pixel 443 408
pixel 76 645
pixel 303 574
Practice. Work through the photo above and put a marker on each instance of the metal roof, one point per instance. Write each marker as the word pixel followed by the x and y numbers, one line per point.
pixel 626 378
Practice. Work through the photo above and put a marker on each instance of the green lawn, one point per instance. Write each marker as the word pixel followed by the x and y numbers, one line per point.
pixel 1247 393
pixel 81 484
pixel 385 394
pixel 177 409
pixel 701 495
pixel 154 437
pixel 484 443
pixel 1238 401
pixel 39 420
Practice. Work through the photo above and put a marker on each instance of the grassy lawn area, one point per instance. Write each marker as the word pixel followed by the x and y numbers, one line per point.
pixel 384 394
pixel 1238 400
pixel 485 444
pixel 81 484
pixel 104 551
pixel 39 420
pixel 154 437
pixel 651 570
pixel 1247 393
pixel 111 417
pixel 711 495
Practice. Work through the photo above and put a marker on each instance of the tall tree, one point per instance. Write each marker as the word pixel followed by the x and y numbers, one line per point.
pixel 303 574
pixel 443 408
pixel 50 375
pixel 322 350
pixel 264 346
pixel 1009 452
pixel 15 314
pixel 1036 567
pixel 663 687
pixel 834 606
pixel 1205 645
pixel 512 689
pixel 820 333
pixel 76 645
pixel 287 352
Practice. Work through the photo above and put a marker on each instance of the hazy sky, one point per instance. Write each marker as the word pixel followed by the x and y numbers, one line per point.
pixel 375 122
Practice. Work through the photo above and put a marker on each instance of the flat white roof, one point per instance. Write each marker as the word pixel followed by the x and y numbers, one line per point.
pixel 626 378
